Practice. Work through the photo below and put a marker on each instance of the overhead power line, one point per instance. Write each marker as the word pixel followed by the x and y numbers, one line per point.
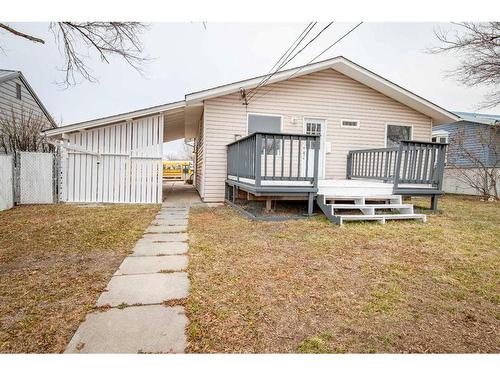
pixel 316 57
pixel 287 53
pixel 263 82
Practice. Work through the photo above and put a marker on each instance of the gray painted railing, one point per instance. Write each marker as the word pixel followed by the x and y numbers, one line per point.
pixel 415 163
pixel 285 157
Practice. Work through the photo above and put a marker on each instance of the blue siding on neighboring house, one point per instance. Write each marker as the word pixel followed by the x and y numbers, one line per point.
pixel 471 131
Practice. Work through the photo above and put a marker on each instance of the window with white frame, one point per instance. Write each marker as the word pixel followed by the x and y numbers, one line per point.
pixel 349 124
pixel 266 124
pixel 397 133
pixel 313 127
pixel 439 137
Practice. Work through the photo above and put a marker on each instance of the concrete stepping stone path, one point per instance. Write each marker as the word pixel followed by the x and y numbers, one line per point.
pixel 140 311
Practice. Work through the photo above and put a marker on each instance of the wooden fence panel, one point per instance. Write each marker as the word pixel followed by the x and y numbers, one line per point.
pixel 119 163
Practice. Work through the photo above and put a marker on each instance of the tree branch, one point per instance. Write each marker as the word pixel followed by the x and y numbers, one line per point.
pixel 22 35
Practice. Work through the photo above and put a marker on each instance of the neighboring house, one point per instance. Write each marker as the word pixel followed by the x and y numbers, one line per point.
pixel 18 98
pixel 317 115
pixel 474 144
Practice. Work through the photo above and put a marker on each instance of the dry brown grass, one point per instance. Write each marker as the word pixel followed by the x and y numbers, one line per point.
pixel 311 286
pixel 54 262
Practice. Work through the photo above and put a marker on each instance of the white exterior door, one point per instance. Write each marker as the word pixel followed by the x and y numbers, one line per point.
pixel 316 126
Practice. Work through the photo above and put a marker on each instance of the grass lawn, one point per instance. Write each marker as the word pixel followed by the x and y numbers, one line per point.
pixel 54 262
pixel 313 287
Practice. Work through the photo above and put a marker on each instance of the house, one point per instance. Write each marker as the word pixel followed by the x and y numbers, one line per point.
pixel 19 100
pixel 474 148
pixel 294 136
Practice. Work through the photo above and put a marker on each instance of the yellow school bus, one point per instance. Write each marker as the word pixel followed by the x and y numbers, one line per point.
pixel 177 170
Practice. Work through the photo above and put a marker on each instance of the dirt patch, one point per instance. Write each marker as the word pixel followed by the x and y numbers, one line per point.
pixel 311 286
pixel 54 262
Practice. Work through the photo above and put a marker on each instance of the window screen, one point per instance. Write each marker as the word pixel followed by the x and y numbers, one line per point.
pixel 397 133
pixel 266 124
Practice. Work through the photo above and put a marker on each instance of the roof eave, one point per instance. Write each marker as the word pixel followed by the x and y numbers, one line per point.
pixel 114 119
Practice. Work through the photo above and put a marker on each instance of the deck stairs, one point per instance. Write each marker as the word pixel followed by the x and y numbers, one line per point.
pixel 369 207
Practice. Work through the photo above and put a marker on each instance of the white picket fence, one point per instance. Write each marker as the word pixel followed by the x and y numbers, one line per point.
pixel 121 163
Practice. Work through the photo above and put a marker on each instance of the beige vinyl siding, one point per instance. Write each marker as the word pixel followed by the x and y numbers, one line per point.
pixel 328 95
pixel 200 155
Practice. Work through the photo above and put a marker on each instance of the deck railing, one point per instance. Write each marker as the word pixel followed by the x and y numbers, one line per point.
pixel 263 157
pixel 420 164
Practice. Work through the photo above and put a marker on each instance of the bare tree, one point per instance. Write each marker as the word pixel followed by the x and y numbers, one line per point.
pixel 186 153
pixel 482 159
pixel 22 131
pixel 77 39
pixel 478 45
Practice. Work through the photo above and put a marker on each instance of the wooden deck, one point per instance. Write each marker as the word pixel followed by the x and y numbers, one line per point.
pixel 277 166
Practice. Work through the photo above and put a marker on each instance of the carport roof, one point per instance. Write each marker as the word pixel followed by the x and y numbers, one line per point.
pixel 116 118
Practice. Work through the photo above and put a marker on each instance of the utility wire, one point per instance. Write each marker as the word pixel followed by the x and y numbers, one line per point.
pixel 293 44
pixel 287 53
pixel 316 57
pixel 254 92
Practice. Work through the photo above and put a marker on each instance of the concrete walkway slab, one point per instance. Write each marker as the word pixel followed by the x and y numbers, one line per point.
pixel 173 211
pixel 152 264
pixel 166 229
pixel 148 248
pixel 170 221
pixel 141 329
pixel 164 237
pixel 172 216
pixel 144 289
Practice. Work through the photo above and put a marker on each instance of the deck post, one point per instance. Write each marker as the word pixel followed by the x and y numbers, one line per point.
pixel 257 164
pixel 397 169
pixel 269 204
pixel 348 172
pixel 434 203
pixel 316 160
pixel 310 204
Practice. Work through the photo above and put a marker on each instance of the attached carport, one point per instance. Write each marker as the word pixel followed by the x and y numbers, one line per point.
pixel 117 159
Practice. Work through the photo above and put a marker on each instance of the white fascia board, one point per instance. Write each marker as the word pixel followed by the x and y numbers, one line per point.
pixel 370 79
pixel 114 119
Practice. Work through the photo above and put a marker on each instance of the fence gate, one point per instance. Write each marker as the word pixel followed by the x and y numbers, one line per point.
pixel 35 171
pixel 120 163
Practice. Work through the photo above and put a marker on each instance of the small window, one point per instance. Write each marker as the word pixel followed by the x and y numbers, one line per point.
pixel 266 124
pixel 397 133
pixel 349 124
pixel 313 127
pixel 439 139
pixel 18 91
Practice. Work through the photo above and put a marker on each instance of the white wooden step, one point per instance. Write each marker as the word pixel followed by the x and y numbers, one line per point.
pixel 382 218
pixel 360 199
pixel 370 209
pixel 376 206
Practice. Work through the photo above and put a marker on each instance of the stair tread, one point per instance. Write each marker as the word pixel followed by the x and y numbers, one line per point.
pixel 383 216
pixel 368 197
pixel 387 205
